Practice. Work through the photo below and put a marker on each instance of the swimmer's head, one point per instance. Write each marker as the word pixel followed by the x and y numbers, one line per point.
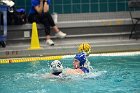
pixel 81 57
pixel 56 66
pixel 84 47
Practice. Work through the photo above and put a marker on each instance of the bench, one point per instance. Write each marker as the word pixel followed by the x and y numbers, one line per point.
pixel 69 21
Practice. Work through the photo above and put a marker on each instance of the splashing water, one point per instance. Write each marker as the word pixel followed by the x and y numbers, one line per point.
pixel 119 74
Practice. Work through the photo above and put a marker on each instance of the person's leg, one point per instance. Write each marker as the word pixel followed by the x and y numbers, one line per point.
pixel 54 27
pixel 33 18
pixel 40 19
pixel 51 22
pixel 48 38
pixel 45 22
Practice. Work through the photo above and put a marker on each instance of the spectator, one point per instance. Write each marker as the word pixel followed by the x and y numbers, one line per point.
pixel 39 13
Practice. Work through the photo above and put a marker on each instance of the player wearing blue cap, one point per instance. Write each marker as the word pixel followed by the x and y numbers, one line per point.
pixel 78 64
pixel 39 13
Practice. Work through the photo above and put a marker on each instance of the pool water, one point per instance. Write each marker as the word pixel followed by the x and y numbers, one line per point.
pixel 111 74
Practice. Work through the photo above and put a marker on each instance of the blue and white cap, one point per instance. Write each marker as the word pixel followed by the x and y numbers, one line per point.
pixel 56 66
pixel 81 57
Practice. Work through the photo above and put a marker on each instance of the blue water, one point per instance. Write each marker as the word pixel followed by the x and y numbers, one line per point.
pixel 118 74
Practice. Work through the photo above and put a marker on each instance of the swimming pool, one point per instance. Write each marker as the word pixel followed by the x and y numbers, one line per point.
pixel 112 74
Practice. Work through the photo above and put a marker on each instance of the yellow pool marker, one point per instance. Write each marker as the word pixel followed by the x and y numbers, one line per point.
pixel 29 59
pixel 34 38
pixel 35 59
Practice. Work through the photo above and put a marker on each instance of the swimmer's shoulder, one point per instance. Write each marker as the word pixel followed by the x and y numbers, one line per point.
pixel 70 71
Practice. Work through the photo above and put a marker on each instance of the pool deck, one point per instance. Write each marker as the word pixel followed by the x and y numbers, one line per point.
pixel 105 32
pixel 100 44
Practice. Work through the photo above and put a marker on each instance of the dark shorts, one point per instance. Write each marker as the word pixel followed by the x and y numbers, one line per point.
pixel 45 19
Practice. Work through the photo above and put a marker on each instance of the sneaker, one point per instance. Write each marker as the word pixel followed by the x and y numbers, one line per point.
pixel 50 42
pixel 60 34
